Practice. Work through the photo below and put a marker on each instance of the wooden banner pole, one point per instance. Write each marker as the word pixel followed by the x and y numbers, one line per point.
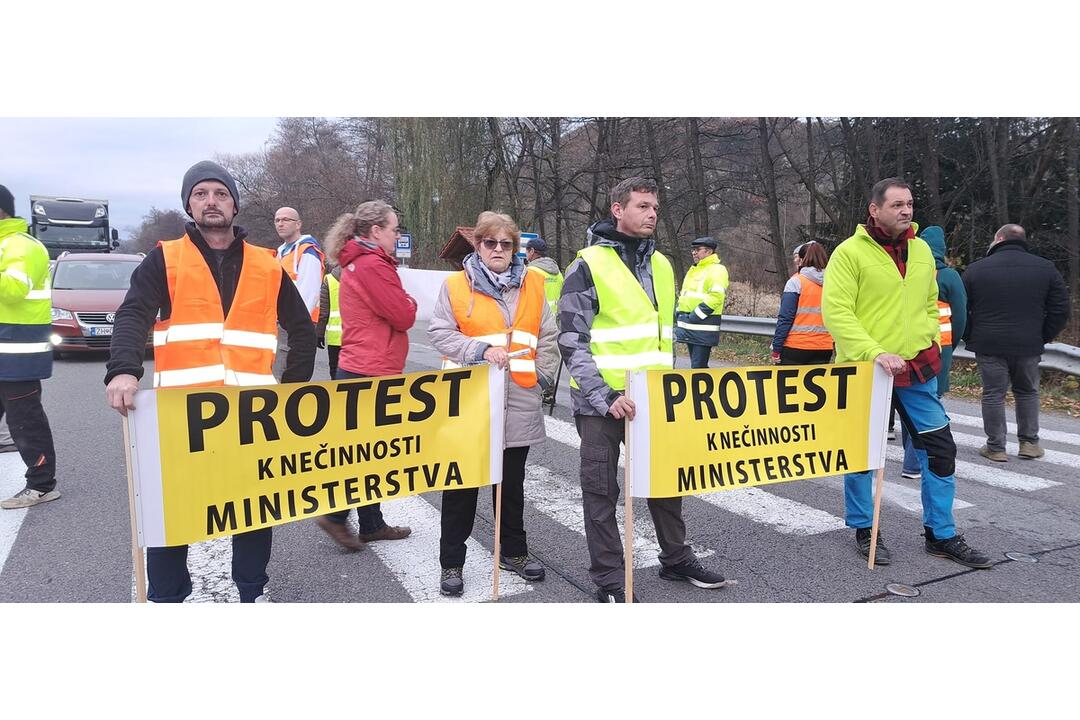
pixel 498 534
pixel 138 565
pixel 879 484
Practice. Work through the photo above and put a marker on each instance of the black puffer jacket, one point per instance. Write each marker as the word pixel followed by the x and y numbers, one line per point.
pixel 1017 302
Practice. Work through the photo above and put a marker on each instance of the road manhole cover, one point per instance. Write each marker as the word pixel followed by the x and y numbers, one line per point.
pixel 1021 557
pixel 902 590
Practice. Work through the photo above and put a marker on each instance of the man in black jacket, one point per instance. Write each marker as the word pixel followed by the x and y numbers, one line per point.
pixel 221 245
pixel 1017 302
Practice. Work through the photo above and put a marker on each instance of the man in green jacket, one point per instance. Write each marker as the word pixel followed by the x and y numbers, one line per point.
pixel 880 303
pixel 25 353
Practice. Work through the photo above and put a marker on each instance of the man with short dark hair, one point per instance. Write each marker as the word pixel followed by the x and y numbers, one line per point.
pixel 879 302
pixel 701 302
pixel 1017 302
pixel 616 314
pixel 187 289
pixel 26 355
pixel 538 261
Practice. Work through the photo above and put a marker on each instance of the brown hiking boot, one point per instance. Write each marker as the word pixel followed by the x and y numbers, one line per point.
pixel 387 532
pixel 995 455
pixel 340 533
pixel 1030 450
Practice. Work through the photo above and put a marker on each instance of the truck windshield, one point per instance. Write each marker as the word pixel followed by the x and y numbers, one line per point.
pixel 67 235
pixel 91 275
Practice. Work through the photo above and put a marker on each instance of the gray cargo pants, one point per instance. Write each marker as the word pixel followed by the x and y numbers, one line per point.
pixel 997 373
pixel 600 438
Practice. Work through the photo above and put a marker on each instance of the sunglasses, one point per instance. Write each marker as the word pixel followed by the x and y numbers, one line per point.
pixel 492 244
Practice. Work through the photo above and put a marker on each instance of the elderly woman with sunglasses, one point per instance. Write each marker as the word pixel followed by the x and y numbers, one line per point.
pixel 493 308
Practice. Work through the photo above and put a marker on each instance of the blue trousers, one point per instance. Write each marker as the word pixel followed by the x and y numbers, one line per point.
pixel 923 415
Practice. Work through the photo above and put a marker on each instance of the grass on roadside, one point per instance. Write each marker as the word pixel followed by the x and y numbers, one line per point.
pixel 1058 391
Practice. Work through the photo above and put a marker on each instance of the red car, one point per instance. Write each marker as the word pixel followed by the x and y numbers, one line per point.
pixel 87 288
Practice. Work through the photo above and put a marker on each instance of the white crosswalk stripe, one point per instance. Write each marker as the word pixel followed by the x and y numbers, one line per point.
pixel 987 475
pixel 560 499
pixel 415 560
pixel 12 480
pixel 1048 435
pixel 1052 456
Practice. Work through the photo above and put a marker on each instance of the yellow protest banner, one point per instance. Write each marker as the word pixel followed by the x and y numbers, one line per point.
pixel 702 431
pixel 215 461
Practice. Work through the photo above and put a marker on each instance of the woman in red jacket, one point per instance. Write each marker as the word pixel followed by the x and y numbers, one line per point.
pixel 376 314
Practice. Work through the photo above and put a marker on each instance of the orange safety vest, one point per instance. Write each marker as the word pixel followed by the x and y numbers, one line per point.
pixel 944 313
pixel 480 317
pixel 199 347
pixel 808 330
pixel 292 260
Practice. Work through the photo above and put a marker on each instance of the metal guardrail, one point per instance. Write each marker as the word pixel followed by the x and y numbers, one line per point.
pixel 1056 356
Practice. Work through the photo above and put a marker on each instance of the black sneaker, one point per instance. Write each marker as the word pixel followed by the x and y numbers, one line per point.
pixel 524 566
pixel 693 572
pixel 862 538
pixel 612 595
pixel 450 582
pixel 955 549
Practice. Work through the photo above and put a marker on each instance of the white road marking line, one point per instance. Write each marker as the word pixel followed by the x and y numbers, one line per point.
pixel 786 516
pixel 1055 457
pixel 783 515
pixel 987 475
pixel 1049 435
pixel 414 561
pixel 12 480
pixel 560 499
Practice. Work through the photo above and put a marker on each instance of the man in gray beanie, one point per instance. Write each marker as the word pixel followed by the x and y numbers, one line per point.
pixel 207 170
pixel 213 252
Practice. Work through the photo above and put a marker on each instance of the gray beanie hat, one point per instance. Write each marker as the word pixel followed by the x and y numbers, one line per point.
pixel 207 170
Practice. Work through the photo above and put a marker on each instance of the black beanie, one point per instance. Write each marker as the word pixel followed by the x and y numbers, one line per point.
pixel 7 201
pixel 207 170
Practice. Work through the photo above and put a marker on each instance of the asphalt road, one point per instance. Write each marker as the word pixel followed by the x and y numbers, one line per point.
pixel 783 544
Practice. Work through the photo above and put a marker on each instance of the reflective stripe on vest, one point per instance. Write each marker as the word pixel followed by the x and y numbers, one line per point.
pixel 945 319
pixel 808 330
pixel 26 322
pixel 628 333
pixel 481 318
pixel 292 260
pixel 333 323
pixel 944 312
pixel 196 345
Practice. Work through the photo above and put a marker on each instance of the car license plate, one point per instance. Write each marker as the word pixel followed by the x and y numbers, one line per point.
pixel 100 330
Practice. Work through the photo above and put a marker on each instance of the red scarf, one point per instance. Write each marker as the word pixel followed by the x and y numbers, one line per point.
pixel 897 248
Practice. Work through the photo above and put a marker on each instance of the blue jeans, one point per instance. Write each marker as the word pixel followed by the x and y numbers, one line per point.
pixel 369 518
pixel 919 407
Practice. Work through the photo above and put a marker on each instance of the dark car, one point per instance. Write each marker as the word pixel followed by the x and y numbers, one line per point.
pixel 87 288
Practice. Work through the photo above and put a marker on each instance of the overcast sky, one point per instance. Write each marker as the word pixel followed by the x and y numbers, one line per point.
pixel 134 163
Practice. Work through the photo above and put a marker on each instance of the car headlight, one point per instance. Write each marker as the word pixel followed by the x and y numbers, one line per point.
pixel 61 314
pixel 39 209
pixel 100 212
